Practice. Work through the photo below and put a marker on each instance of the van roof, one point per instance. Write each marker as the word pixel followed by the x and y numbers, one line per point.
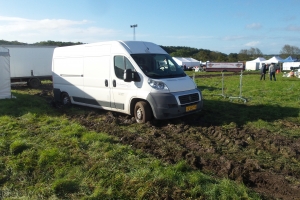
pixel 135 47
pixel 131 47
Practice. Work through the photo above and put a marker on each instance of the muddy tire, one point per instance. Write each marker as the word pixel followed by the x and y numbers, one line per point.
pixel 142 112
pixel 65 99
pixel 34 83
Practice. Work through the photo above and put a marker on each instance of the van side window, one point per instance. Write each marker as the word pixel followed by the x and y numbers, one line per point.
pixel 121 63
pixel 128 65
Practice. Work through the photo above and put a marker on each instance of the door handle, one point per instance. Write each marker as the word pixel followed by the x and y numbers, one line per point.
pixel 106 83
pixel 114 83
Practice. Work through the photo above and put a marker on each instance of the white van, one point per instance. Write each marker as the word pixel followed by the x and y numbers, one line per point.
pixel 133 77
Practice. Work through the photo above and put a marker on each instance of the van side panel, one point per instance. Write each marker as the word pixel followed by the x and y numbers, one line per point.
pixel 68 76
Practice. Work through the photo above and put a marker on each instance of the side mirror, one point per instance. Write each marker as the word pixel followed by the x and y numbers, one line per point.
pixel 128 75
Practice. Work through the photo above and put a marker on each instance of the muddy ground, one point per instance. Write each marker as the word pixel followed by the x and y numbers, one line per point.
pixel 232 152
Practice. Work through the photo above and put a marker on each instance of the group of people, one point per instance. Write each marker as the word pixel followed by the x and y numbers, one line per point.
pixel 265 68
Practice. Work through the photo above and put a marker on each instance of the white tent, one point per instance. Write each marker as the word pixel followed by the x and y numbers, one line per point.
pixel 5 87
pixel 254 64
pixel 288 65
pixel 188 62
pixel 274 59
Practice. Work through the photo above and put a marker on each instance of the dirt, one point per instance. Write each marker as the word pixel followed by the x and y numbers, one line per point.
pixel 259 159
pixel 210 149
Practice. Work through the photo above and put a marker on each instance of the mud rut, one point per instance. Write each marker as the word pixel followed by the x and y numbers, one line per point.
pixel 210 149
pixel 225 152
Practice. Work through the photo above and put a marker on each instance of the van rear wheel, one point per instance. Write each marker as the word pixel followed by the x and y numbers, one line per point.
pixel 142 112
pixel 65 99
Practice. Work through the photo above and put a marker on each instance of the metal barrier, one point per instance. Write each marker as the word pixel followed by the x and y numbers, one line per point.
pixel 240 96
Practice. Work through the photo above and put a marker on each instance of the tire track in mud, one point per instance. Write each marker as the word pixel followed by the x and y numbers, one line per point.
pixel 263 161
pixel 255 158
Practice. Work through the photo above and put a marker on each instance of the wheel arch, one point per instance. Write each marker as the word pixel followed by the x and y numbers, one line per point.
pixel 134 101
pixel 63 96
pixel 58 94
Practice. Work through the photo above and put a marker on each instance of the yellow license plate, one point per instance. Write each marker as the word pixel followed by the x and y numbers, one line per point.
pixel 190 108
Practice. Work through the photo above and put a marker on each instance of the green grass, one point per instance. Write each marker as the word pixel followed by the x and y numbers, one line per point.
pixel 269 103
pixel 46 155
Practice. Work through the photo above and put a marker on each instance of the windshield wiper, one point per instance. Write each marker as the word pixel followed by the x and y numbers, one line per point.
pixel 175 75
pixel 151 75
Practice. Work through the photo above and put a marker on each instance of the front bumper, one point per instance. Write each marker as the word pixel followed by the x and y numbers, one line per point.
pixel 172 105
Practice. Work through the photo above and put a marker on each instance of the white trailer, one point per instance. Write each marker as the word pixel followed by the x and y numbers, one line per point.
pixel 30 64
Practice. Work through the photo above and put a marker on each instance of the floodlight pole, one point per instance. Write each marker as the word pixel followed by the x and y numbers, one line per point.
pixel 133 26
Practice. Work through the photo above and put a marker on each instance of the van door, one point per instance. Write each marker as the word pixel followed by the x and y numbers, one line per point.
pixel 96 81
pixel 121 91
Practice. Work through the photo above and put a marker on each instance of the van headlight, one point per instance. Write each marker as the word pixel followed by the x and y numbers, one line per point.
pixel 158 85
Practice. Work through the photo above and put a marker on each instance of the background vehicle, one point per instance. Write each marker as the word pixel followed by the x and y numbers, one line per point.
pixel 30 64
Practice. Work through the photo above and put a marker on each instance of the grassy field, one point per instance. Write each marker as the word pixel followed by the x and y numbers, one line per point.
pixel 48 153
pixel 267 102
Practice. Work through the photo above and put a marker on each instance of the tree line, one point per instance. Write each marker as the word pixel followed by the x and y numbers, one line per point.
pixel 198 54
pixel 244 54
pixel 42 43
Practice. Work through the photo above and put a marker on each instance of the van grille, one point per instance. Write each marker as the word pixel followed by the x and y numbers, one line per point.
pixel 185 99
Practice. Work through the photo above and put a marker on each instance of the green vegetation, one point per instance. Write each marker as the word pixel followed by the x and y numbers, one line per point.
pixel 4 42
pixel 57 43
pixel 47 155
pixel 269 103
pixel 42 43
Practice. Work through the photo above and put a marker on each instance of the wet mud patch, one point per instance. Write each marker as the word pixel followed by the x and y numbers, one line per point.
pixel 263 161
pixel 266 162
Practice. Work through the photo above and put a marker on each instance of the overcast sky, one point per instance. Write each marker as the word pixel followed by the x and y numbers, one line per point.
pixel 225 26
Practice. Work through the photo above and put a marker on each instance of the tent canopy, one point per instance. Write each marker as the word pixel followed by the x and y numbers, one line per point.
pixel 188 62
pixel 254 64
pixel 274 59
pixel 289 59
pixel 259 59
pixel 5 87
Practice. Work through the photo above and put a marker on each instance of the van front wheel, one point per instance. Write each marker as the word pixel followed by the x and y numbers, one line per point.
pixel 142 112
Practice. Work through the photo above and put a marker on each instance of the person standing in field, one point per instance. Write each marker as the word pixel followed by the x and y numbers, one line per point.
pixel 263 71
pixel 272 71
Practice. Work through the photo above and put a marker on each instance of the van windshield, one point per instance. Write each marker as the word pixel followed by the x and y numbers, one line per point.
pixel 158 65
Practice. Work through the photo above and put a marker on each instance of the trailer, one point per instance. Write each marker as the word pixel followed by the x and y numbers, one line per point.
pixel 224 66
pixel 31 64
